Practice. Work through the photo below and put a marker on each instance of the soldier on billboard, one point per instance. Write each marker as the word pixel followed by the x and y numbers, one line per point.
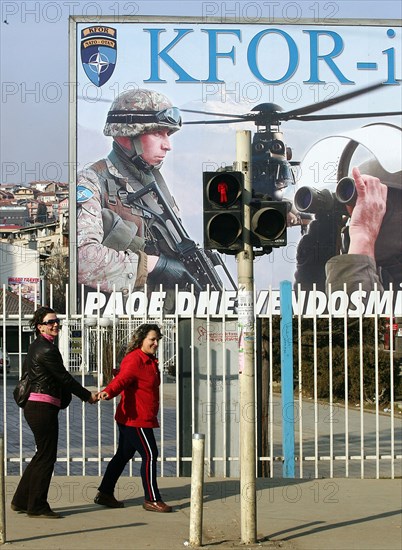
pixel 128 229
pixel 361 241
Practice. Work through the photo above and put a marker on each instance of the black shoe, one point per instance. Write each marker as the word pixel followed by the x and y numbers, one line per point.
pixel 108 500
pixel 16 508
pixel 49 514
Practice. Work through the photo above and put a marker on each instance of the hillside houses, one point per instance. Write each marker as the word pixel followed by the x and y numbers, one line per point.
pixel 33 227
pixel 20 204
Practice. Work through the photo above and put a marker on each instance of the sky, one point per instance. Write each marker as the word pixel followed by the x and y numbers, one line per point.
pixel 35 87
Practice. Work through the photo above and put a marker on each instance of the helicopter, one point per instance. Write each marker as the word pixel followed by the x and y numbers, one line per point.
pixel 273 167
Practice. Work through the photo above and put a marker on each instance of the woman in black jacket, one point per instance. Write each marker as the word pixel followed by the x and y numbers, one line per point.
pixel 48 378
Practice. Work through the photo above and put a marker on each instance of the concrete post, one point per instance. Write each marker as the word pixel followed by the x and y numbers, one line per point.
pixel 245 260
pixel 197 490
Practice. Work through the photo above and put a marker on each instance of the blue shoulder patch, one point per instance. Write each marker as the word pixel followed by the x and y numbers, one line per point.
pixel 83 194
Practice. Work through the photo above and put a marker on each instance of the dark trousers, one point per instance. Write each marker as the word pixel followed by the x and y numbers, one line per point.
pixel 33 488
pixel 132 440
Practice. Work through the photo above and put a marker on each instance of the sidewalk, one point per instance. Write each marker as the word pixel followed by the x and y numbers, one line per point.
pixel 291 514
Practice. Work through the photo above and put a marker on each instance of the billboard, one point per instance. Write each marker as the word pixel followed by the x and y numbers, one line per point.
pixel 28 287
pixel 157 102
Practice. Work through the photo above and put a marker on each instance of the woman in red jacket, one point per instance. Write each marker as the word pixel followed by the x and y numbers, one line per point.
pixel 136 415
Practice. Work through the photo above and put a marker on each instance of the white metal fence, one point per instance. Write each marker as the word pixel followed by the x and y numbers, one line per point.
pixel 347 420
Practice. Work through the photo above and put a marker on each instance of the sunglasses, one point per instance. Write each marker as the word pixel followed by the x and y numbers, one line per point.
pixel 169 116
pixel 51 322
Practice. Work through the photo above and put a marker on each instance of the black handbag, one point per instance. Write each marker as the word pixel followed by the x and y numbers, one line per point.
pixel 22 390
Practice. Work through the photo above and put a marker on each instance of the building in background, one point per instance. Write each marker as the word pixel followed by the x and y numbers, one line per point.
pixel 34 238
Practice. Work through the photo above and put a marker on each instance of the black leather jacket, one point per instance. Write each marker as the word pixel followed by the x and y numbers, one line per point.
pixel 47 372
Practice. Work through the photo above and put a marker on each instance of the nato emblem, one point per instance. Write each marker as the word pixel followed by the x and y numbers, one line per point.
pixel 83 194
pixel 98 53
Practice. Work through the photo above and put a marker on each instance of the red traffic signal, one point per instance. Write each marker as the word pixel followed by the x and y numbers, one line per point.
pixel 223 211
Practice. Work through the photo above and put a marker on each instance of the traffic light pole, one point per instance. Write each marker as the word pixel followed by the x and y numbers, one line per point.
pixel 246 352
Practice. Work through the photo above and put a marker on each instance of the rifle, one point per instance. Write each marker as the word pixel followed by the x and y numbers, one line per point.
pixel 199 263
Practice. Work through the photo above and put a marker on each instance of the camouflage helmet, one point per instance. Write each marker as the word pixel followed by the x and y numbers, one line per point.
pixel 137 112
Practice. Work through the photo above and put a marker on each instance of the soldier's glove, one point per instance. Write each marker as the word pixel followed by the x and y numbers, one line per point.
pixel 170 271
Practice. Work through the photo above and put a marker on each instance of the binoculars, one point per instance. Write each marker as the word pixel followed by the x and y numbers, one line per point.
pixel 309 199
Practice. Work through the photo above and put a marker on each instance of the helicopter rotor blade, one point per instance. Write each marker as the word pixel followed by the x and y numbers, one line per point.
pixel 328 102
pixel 302 114
pixel 213 114
pixel 343 116
pixel 218 121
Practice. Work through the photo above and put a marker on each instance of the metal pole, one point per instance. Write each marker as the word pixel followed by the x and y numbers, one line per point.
pixel 72 172
pixel 2 495
pixel 246 352
pixel 288 423
pixel 197 486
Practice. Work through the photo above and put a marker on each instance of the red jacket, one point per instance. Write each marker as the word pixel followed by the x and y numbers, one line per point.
pixel 138 382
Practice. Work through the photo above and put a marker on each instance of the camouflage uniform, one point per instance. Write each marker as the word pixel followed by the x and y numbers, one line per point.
pixel 113 236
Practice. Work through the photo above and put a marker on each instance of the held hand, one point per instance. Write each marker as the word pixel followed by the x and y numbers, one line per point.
pixel 93 398
pixel 367 214
pixel 103 395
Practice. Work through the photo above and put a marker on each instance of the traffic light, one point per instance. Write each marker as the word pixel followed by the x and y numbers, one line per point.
pixel 223 211
pixel 268 223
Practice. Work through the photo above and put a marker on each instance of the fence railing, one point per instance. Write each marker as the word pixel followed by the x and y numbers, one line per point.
pixel 347 387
